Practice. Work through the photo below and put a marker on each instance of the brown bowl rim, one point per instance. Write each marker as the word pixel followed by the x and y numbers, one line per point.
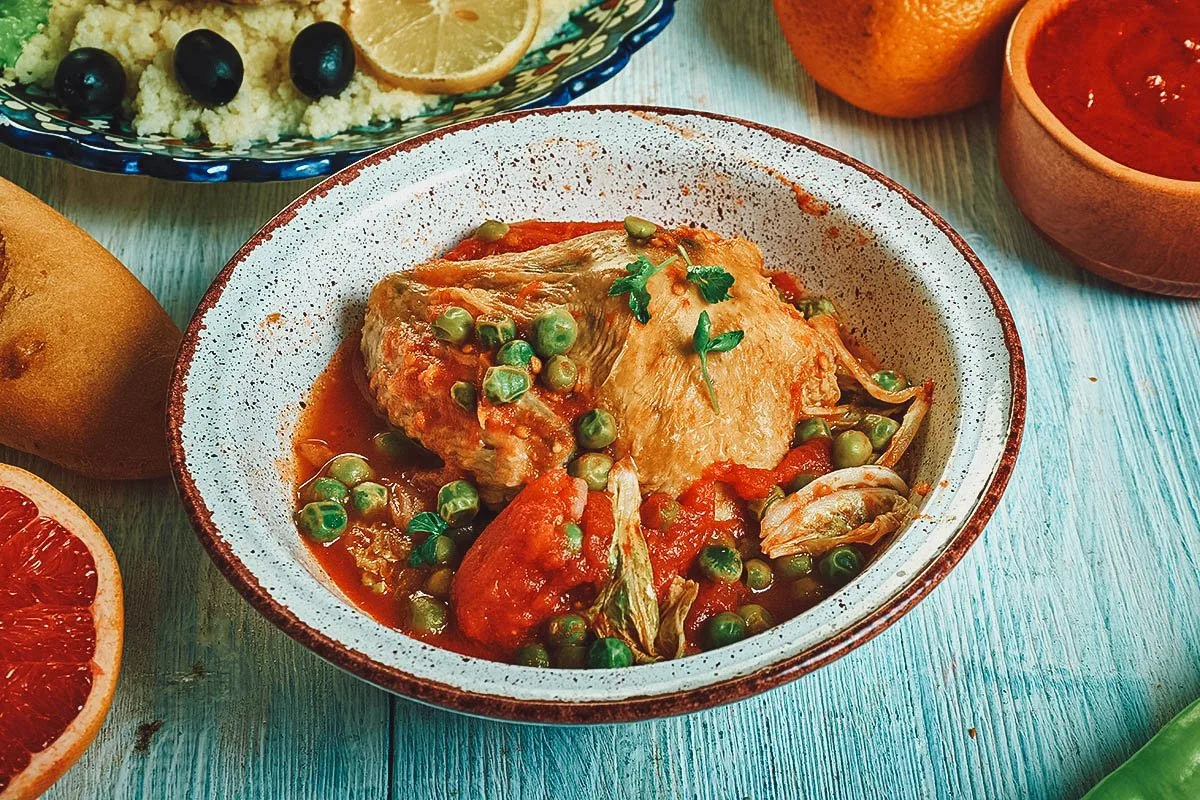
pixel 600 711
pixel 1024 30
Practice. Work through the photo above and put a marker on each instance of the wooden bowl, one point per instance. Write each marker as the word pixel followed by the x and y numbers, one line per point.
pixel 1126 225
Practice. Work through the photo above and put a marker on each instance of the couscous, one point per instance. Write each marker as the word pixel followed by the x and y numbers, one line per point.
pixel 142 35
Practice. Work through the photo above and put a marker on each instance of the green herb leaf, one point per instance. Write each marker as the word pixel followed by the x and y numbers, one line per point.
pixel 703 345
pixel 640 271
pixel 726 341
pixel 432 524
pixel 713 282
pixel 426 522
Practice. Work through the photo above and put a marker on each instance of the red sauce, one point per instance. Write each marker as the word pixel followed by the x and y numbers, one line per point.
pixel 519 571
pixel 1124 76
pixel 524 236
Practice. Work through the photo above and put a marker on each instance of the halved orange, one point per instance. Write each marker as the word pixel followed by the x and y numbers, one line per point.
pixel 61 629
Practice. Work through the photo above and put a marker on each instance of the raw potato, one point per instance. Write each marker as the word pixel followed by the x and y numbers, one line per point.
pixel 85 350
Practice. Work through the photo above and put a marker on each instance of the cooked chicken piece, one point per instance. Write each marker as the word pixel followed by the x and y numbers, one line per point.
pixel 648 376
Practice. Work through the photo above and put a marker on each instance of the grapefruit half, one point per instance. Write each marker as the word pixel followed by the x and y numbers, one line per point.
pixel 61 628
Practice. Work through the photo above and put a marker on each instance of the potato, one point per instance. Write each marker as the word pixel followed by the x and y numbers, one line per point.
pixel 85 350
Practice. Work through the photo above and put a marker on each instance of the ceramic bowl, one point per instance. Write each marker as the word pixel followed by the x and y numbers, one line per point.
pixel 1126 225
pixel 274 315
pixel 591 47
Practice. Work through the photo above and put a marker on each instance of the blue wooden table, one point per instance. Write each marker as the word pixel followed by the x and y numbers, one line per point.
pixel 1065 637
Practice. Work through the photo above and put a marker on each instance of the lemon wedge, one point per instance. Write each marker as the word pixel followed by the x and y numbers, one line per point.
pixel 443 46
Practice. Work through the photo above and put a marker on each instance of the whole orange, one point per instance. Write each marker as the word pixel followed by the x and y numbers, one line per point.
pixel 901 58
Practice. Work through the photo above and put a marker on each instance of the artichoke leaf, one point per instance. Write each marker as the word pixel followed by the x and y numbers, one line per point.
pixel 672 641
pixel 627 607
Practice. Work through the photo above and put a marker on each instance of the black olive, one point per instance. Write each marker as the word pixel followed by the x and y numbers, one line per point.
pixel 208 67
pixel 90 82
pixel 322 60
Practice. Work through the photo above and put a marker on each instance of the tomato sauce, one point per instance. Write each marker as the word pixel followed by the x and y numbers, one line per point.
pixel 520 570
pixel 522 236
pixel 1124 76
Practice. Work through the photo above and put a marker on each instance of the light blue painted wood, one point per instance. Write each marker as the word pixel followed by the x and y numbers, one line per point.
pixel 1064 638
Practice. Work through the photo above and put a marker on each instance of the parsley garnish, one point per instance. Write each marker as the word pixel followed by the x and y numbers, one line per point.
pixel 640 272
pixel 432 524
pixel 713 282
pixel 704 345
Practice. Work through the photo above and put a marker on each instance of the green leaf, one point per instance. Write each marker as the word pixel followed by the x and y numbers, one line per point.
pixel 640 271
pixel 700 335
pixel 726 341
pixel 432 524
pixel 426 522
pixel 703 345
pixel 713 282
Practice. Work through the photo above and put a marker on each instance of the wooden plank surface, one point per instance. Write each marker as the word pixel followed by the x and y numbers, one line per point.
pixel 1065 637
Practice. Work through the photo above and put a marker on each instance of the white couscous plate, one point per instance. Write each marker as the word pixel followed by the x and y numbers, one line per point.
pixel 913 290
pixel 593 44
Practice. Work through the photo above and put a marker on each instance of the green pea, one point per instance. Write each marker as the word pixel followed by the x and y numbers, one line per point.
pixel 759 507
pixel 567 629
pixel 664 515
pixel 807 590
pixel 879 429
pixel 794 566
pixel 453 325
pixel 800 481
pixel 571 656
pixel 639 228
pixel 759 574
pixel 554 332
pixel 464 536
pixel 516 353
pixel 533 655
pixel 324 520
pixel 505 384
pixel 757 618
pixel 439 581
pixel 391 444
pixel 593 468
pixel 889 381
pixel 596 429
pixel 492 230
pixel 560 374
pixel 816 306
pixel 725 628
pixel 444 549
pixel 327 489
pixel 369 498
pixel 463 393
pixel 457 503
pixel 350 469
pixel 721 563
pixel 574 536
pixel 812 429
pixel 609 653
pixel 493 330
pixel 851 449
pixel 840 565
pixel 427 615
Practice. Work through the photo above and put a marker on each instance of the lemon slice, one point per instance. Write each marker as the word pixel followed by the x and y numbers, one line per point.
pixel 443 46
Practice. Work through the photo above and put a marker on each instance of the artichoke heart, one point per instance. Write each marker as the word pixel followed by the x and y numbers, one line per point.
pixel 858 505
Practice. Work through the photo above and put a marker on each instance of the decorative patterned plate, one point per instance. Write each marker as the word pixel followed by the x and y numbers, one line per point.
pixel 591 47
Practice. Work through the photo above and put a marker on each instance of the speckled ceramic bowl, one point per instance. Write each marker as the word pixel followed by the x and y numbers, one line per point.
pixel 273 317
